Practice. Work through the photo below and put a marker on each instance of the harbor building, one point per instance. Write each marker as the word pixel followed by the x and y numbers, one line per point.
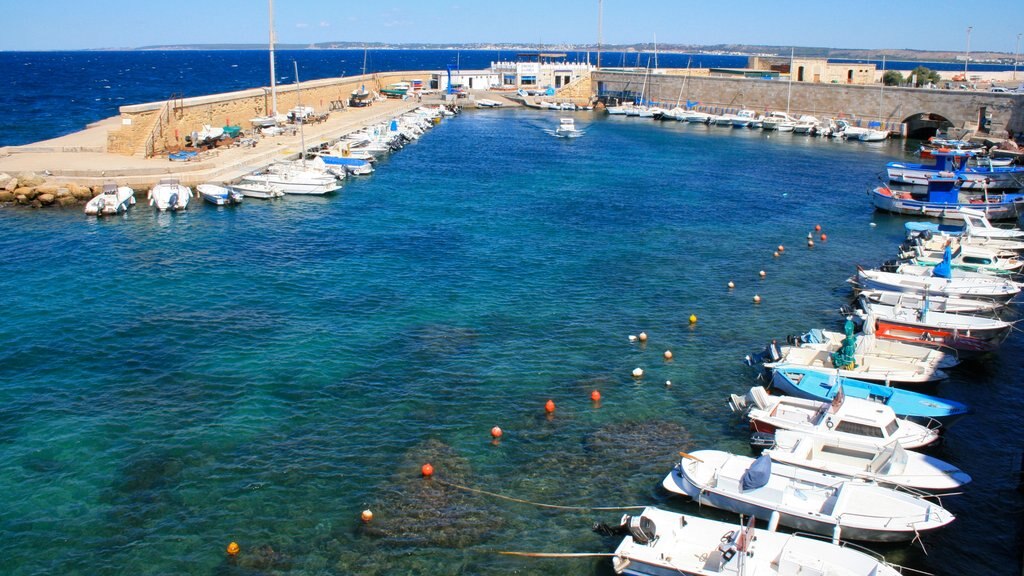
pixel 531 70
pixel 815 70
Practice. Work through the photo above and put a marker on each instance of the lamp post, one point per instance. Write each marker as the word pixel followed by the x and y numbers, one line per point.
pixel 1016 57
pixel 967 56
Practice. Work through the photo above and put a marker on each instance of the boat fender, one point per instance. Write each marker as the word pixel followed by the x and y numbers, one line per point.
pixel 829 424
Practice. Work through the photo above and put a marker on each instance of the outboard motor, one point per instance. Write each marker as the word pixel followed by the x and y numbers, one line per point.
pixel 846 310
pixel 772 351
pixel 927 234
pixel 641 528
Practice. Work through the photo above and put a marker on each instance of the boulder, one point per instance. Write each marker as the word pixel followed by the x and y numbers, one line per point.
pixel 29 193
pixel 6 196
pixel 11 185
pixel 30 179
pixel 4 179
pixel 21 199
pixel 81 192
pixel 66 201
pixel 46 199
pixel 45 188
pixel 63 193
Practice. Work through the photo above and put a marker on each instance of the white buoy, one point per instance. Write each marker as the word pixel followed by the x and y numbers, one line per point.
pixel 668 383
pixel 873 224
pixel 638 372
pixel 632 338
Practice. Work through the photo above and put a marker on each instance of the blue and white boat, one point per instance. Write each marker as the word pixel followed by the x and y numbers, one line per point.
pixel 354 166
pixel 809 383
pixel 975 225
pixel 219 195
pixel 955 164
pixel 945 197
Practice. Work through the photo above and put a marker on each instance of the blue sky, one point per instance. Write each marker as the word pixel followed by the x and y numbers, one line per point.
pixel 935 25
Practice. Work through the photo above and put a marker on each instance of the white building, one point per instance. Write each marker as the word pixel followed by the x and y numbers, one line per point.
pixel 462 80
pixel 539 70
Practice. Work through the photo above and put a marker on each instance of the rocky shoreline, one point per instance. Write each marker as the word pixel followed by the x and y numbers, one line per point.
pixel 30 189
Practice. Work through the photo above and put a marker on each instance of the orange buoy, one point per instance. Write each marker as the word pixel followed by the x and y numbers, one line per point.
pixel 549 406
pixel 824 237
pixel 757 299
pixel 366 515
pixel 233 549
pixel 496 432
pixel 817 227
pixel 595 396
pixel 668 354
pixel 781 248
pixel 427 470
pixel 643 336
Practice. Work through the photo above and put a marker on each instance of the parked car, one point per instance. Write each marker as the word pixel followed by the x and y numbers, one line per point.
pixel 998 89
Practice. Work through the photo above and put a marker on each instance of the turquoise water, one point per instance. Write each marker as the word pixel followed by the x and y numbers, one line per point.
pixel 170 383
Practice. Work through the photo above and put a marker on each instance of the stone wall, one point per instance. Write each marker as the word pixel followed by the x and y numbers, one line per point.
pixel 158 127
pixel 860 103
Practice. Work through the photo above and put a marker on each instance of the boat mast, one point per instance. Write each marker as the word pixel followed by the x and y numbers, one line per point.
pixel 655 51
pixel 599 33
pixel 789 95
pixel 273 82
pixel 881 90
pixel 301 115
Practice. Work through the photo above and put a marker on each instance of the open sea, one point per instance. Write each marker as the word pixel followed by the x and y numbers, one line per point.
pixel 170 383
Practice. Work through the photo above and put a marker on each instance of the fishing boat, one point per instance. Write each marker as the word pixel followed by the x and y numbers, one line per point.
pixel 889 465
pixel 396 90
pixel 842 418
pixel 832 341
pixel 898 322
pixel 954 164
pixel 219 195
pixel 949 304
pixel 254 189
pixel 804 499
pixel 113 200
pixel 846 362
pixel 169 194
pixel 808 383
pixel 969 258
pixel 873 136
pixel 661 543
pixel 922 280
pixel 937 241
pixel 944 197
pixel 351 165
pixel 975 225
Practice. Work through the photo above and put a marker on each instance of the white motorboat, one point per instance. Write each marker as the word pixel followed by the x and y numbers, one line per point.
pixel 832 341
pixel 937 242
pixel 873 136
pixel 778 121
pixel 866 366
pixel 169 194
pixel 887 465
pixel 842 418
pixel 486 103
pixel 965 257
pixel 113 200
pixel 292 180
pixel 919 280
pixel 254 189
pixel 938 325
pixel 949 304
pixel 566 129
pixel 661 543
pixel 976 224
pixel 804 499
pixel 805 124
pixel 219 195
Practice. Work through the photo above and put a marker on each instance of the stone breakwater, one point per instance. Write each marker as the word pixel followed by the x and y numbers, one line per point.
pixel 30 189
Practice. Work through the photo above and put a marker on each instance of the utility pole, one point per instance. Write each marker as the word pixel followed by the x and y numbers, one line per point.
pixel 1016 57
pixel 967 56
pixel 599 2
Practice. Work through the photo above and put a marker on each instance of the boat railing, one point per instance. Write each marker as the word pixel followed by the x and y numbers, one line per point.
pixel 862 550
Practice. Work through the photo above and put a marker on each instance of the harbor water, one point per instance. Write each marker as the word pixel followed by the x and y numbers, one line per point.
pixel 170 383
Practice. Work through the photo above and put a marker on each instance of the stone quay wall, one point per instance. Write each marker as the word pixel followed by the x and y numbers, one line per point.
pixel 891 105
pixel 157 128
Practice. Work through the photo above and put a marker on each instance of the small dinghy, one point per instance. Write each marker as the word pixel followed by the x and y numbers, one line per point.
pixel 658 542
pixel 804 499
pixel 808 383
pixel 113 200
pixel 219 195
pixel 169 195
pixel 844 417
pixel 848 362
pixel 887 465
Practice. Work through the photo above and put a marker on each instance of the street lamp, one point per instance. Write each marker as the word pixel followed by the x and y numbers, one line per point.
pixel 1016 56
pixel 967 56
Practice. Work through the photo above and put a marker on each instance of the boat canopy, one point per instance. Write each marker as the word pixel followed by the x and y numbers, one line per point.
pixel 944 269
pixel 758 474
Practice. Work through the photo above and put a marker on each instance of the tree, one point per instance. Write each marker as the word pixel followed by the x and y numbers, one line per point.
pixel 892 78
pixel 923 76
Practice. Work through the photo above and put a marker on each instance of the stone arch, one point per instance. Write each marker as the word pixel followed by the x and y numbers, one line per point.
pixel 923 125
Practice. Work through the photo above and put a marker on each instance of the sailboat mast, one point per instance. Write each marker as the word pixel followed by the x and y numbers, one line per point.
pixel 273 81
pixel 655 51
pixel 789 94
pixel 881 89
pixel 302 116
pixel 598 33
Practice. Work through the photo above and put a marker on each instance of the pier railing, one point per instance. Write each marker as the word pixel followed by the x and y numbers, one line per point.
pixel 158 130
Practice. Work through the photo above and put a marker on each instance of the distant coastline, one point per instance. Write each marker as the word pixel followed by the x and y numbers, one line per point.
pixel 923 56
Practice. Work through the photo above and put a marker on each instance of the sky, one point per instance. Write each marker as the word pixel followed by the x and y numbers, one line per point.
pixel 871 24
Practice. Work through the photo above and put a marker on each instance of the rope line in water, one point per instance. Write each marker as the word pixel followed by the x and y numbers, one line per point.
pixel 542 505
pixel 557 554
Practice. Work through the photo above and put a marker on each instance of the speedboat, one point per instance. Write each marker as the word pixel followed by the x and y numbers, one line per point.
pixel 804 499
pixel 169 194
pixel 658 543
pixel 843 417
pixel 113 200
pixel 804 382
pixel 567 129
pixel 219 195
pixel 975 225
pixel 294 180
pixel 254 189
pixel 889 465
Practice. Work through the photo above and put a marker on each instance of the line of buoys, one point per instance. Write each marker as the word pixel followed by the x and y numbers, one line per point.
pixel 233 549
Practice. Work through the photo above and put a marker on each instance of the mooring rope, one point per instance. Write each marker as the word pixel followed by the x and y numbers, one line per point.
pixel 542 505
pixel 557 554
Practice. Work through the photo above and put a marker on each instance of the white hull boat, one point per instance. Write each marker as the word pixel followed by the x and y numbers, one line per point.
pixel 804 499
pixel 868 367
pixel 662 543
pixel 844 418
pixel 918 280
pixel 257 190
pixel 888 465
pixel 938 323
pixel 873 136
pixel 832 341
pixel 113 200
pixel 297 181
pixel 169 195
pixel 219 195
pixel 950 304
pixel 566 129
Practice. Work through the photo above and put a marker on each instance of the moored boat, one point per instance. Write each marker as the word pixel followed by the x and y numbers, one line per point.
pixel 219 195
pixel 254 189
pixel 943 198
pixel 113 200
pixel 954 164
pixel 169 194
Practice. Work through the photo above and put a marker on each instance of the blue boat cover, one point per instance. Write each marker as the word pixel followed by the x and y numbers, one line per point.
pixel 758 474
pixel 944 269
pixel 815 336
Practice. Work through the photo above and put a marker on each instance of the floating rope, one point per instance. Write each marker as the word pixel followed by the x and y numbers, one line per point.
pixel 557 554
pixel 555 506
